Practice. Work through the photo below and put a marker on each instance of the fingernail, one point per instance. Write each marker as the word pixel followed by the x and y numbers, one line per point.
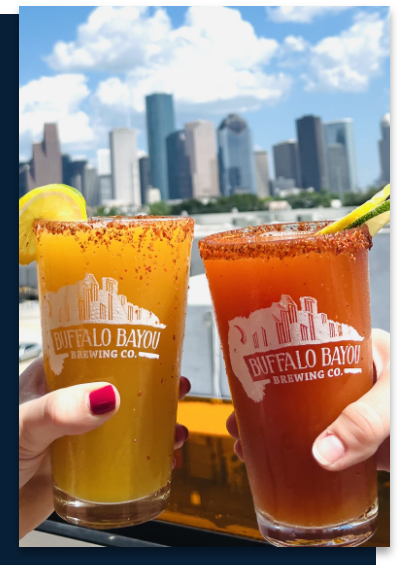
pixel 186 433
pixel 328 450
pixel 102 400
pixel 173 463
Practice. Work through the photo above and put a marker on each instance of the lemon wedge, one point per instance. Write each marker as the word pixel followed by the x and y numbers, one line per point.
pixel 353 219
pixel 51 202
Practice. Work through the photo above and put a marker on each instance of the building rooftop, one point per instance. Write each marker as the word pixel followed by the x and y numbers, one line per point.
pixel 234 122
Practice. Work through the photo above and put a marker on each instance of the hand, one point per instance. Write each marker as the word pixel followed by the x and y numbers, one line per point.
pixel 361 430
pixel 46 417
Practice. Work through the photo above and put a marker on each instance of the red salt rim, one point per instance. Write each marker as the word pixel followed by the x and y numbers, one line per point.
pixel 110 222
pixel 105 229
pixel 282 240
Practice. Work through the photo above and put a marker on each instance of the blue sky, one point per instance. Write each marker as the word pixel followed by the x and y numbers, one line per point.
pixel 89 69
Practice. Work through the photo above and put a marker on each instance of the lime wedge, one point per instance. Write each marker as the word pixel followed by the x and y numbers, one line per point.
pixel 51 202
pixel 358 213
pixel 379 214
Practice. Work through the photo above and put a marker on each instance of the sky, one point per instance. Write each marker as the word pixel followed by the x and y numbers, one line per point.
pixel 89 69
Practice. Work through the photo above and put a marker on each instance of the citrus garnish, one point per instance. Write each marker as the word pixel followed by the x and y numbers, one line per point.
pixel 376 219
pixel 358 213
pixel 51 202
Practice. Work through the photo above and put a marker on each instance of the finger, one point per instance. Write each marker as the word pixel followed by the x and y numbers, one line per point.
pixel 68 411
pixel 181 435
pixel 238 449
pixel 231 426
pixel 184 387
pixel 359 431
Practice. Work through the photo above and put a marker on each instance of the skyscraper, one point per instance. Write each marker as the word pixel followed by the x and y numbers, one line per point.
pixel 340 132
pixel 104 164
pixel 125 177
pixel 91 186
pixel 200 144
pixel 105 187
pixel 178 166
pixel 160 124
pixel 338 171
pixel 74 173
pixel 45 166
pixel 144 177
pixel 312 153
pixel 287 161
pixel 384 146
pixel 236 159
pixel 262 173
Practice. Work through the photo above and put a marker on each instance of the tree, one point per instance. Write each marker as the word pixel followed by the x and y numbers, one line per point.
pixel 359 198
pixel 310 199
pixel 160 209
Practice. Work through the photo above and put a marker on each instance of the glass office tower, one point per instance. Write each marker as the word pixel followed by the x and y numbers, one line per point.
pixel 236 157
pixel 160 124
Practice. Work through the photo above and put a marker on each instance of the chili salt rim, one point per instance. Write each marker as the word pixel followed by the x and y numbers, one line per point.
pixel 251 242
pixel 100 222
pixel 103 231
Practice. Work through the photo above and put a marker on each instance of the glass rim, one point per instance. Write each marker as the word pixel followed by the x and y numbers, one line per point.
pixel 280 239
pixel 106 220
pixel 250 234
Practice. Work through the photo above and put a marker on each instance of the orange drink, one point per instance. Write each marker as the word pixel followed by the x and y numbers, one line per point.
pixel 113 295
pixel 293 312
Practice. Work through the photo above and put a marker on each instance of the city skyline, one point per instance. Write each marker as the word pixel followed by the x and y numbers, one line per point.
pixel 284 70
pixel 194 155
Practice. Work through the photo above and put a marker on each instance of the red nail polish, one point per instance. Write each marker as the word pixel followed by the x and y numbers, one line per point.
pixel 102 400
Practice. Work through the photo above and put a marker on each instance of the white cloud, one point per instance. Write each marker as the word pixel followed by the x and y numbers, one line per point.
pixel 348 61
pixel 302 14
pixel 54 99
pixel 295 44
pixel 114 39
pixel 214 57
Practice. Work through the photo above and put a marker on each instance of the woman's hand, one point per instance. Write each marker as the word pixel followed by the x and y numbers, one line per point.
pixel 46 417
pixel 361 430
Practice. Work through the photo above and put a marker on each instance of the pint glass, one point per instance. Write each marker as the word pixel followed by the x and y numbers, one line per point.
pixel 293 312
pixel 113 295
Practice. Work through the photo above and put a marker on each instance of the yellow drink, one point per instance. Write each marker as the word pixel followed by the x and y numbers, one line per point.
pixel 113 300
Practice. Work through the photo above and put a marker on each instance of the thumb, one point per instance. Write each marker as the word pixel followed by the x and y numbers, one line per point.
pixel 359 431
pixel 67 411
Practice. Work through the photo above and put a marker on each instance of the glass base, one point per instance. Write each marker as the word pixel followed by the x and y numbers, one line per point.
pixel 349 534
pixel 103 516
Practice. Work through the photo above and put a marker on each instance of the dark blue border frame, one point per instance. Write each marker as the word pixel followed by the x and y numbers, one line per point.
pixel 9 183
